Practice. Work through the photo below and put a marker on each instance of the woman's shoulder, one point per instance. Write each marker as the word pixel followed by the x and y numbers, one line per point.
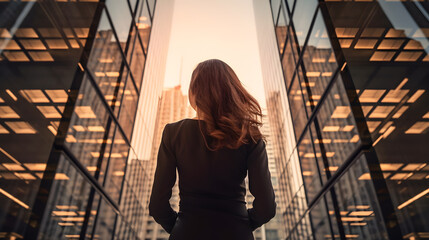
pixel 177 126
pixel 255 144
pixel 180 123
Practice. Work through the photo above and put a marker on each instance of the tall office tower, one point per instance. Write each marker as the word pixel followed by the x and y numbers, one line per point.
pixel 355 77
pixel 71 77
pixel 290 198
pixel 274 229
pixel 173 107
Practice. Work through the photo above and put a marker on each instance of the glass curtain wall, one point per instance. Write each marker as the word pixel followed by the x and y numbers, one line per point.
pixel 355 74
pixel 71 73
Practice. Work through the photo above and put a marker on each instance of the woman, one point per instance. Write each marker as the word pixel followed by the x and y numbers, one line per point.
pixel 213 153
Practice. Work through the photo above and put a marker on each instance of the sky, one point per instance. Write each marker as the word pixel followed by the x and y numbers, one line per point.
pixel 222 29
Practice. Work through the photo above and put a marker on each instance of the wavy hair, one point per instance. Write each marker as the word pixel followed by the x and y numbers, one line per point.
pixel 231 114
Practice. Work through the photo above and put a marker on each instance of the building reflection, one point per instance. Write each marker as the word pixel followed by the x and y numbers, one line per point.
pixel 354 83
pixel 71 80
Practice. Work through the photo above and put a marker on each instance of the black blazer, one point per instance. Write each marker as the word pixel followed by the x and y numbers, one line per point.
pixel 212 188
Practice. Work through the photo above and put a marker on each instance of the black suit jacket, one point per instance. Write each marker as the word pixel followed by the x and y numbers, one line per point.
pixel 211 184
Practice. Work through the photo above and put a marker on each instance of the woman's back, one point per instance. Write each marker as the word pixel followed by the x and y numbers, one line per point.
pixel 215 174
pixel 211 184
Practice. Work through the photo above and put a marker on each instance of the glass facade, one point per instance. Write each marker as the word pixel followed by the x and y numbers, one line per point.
pixel 355 81
pixel 71 76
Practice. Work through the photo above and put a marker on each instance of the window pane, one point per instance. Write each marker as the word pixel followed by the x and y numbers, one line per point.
pixel 303 230
pixel 116 170
pixel 121 18
pixel 289 62
pixel 106 64
pixel 105 221
pixel 137 62
pixel 319 62
pixel 360 213
pixel 309 166
pixel 144 24
pixel 320 220
pixel 90 130
pixel 302 17
pixel 67 204
pixel 332 216
pixel 275 6
pixel 281 28
pixel 298 112
pixel 128 109
pixel 334 128
pixel 152 4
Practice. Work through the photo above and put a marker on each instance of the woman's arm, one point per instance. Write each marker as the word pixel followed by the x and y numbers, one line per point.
pixel 165 178
pixel 260 186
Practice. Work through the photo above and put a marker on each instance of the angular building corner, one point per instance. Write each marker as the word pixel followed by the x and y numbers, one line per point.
pixel 349 113
pixel 79 92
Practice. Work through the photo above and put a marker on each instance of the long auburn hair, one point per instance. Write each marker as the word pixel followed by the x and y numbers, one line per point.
pixel 231 114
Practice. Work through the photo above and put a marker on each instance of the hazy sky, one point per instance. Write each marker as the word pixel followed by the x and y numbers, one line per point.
pixel 222 29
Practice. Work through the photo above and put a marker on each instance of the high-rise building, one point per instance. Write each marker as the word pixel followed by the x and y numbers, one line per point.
pixel 70 91
pixel 349 109
pixel 173 106
pixel 274 229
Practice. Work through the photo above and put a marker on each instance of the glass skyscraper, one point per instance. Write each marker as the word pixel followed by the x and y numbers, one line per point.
pixel 346 85
pixel 350 115
pixel 173 106
pixel 71 76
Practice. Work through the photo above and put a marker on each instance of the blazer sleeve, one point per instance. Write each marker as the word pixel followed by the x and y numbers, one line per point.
pixel 260 186
pixel 164 180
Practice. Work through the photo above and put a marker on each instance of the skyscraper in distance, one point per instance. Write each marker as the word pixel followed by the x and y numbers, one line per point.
pixel 173 106
pixel 274 229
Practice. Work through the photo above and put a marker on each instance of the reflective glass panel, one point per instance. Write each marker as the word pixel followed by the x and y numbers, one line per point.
pixel 152 4
pixel 67 208
pixel 302 24
pixel 298 111
pixel 389 65
pixel 281 28
pixel 128 108
pixel 321 221
pixel 137 61
pixel 289 62
pixel 121 18
pixel 90 130
pixel 116 166
pixel 334 129
pixel 309 166
pixel 40 48
pixel 319 63
pixel 144 23
pixel 104 227
pixel 106 64
pixel 275 6
pixel 361 216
